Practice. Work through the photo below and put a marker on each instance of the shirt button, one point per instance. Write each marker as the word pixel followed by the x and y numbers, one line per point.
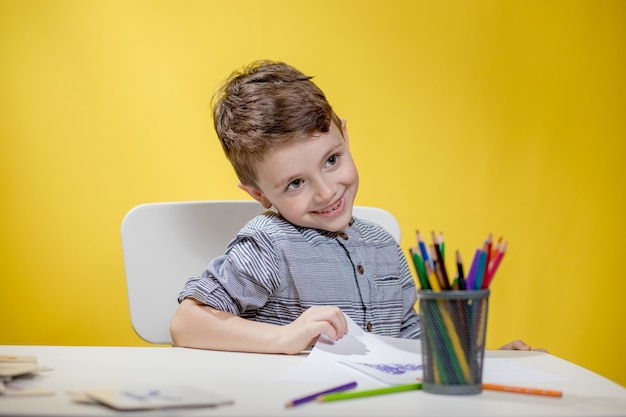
pixel 360 269
pixel 368 326
pixel 344 236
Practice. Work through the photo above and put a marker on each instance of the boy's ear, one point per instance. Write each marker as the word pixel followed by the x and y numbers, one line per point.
pixel 256 194
pixel 344 130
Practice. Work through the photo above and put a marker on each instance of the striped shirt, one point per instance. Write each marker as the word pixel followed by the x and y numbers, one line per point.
pixel 273 270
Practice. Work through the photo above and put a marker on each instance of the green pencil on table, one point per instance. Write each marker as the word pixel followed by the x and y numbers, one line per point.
pixel 368 393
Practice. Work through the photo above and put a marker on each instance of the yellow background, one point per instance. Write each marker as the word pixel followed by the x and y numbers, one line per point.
pixel 466 117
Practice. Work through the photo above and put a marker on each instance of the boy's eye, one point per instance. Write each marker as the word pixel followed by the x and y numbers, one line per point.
pixel 295 184
pixel 332 160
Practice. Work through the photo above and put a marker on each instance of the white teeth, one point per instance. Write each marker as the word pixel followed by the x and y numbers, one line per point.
pixel 331 209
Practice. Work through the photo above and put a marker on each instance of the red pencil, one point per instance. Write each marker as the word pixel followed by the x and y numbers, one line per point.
pixel 495 263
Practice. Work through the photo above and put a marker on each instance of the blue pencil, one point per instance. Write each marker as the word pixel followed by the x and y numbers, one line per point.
pixel 480 270
pixel 425 255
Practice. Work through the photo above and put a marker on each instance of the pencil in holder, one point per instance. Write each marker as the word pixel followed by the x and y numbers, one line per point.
pixel 454 325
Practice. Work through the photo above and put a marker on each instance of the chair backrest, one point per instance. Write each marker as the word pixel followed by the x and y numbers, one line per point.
pixel 165 243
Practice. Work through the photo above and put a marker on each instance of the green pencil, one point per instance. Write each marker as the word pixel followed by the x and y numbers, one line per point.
pixel 368 393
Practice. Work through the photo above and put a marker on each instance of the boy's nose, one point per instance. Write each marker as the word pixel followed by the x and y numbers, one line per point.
pixel 325 189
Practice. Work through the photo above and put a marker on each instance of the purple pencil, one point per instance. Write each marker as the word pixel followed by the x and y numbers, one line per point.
pixel 471 276
pixel 312 397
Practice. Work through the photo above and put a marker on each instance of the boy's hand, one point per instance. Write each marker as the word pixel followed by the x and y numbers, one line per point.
pixel 519 345
pixel 299 334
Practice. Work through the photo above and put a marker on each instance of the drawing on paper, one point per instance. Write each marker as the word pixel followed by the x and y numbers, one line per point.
pixel 394 368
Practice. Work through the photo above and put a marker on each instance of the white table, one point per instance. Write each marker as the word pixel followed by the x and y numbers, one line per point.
pixel 252 381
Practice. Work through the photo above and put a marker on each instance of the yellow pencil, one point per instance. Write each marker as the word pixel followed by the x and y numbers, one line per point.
pixel 456 343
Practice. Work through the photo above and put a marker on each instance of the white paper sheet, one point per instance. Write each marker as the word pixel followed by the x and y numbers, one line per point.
pixel 361 356
pixel 508 372
pixel 379 360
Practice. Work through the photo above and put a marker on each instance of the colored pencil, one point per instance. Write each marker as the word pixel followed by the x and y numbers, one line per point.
pixel 431 267
pixel 523 390
pixel 440 265
pixel 432 278
pixel 419 268
pixel 496 263
pixel 368 393
pixel 424 250
pixel 497 245
pixel 442 246
pixel 452 372
pixel 312 397
pixel 480 270
pixel 490 254
pixel 457 347
pixel 459 269
pixel 471 276
pixel 455 283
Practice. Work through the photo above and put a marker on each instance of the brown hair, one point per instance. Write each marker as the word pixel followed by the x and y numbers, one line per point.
pixel 265 105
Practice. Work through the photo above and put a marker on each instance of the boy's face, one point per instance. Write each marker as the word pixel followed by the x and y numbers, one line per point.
pixel 311 182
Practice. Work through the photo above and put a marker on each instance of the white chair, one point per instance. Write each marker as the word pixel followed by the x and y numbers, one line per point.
pixel 165 243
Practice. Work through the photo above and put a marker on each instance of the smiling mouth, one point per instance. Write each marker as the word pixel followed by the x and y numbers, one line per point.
pixel 331 209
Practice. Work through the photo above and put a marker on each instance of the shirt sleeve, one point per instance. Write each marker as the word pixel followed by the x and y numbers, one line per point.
pixel 242 279
pixel 411 322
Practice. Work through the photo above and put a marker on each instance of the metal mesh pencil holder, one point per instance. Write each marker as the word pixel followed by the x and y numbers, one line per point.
pixel 454 325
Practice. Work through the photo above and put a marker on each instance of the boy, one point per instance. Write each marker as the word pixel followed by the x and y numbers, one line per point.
pixel 290 275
